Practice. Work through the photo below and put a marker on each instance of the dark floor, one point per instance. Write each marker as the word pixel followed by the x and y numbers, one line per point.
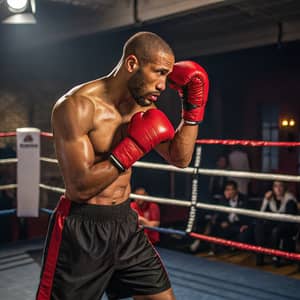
pixel 193 278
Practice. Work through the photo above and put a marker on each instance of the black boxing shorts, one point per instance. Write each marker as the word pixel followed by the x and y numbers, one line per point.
pixel 92 249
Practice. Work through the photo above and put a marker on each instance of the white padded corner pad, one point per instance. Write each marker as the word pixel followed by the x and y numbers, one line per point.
pixel 28 172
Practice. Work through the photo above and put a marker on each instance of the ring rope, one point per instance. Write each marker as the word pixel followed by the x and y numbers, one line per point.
pixel 47 134
pixel 194 197
pixel 46 210
pixel 166 230
pixel 247 247
pixel 252 143
pixel 52 188
pixel 229 243
pixel 251 213
pixel 8 187
pixel 211 172
pixel 7 134
pixel 252 175
pixel 8 160
pixel 162 200
pixel 6 212
pixel 163 167
pixel 49 160
pixel 221 208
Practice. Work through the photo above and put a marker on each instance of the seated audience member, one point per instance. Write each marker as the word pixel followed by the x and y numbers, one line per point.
pixel 231 226
pixel 269 233
pixel 148 215
pixel 217 183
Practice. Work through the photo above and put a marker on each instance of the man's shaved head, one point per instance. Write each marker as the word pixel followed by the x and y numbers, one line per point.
pixel 145 64
pixel 145 46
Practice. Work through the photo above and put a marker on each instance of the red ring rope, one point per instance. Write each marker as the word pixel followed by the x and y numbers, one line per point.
pixel 204 141
pixel 247 247
pixel 248 143
pixel 7 134
pixel 47 134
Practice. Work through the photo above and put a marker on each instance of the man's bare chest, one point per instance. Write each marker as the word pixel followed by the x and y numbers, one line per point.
pixel 107 134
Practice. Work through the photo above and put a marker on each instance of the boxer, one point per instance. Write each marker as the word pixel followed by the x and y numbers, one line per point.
pixel 100 129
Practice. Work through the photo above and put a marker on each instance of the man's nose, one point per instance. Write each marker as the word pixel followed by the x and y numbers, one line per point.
pixel 161 86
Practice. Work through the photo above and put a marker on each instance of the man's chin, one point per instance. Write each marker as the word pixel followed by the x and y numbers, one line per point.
pixel 143 101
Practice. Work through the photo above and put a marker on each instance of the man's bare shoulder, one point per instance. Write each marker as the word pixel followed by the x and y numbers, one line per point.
pixel 89 89
pixel 82 98
pixel 73 104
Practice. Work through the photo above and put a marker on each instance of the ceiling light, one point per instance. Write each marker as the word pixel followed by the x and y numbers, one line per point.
pixel 17 6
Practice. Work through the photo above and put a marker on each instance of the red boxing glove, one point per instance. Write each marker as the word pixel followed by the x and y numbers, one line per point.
pixel 191 82
pixel 145 131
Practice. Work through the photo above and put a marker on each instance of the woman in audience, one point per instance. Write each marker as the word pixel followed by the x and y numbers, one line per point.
pixel 270 233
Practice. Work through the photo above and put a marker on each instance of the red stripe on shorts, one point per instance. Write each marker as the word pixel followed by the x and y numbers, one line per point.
pixel 46 282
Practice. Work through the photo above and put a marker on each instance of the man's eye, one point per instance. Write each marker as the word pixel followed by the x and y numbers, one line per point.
pixel 161 72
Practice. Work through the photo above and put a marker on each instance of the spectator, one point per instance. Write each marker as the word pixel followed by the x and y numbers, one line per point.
pixel 269 233
pixel 231 226
pixel 238 161
pixel 148 215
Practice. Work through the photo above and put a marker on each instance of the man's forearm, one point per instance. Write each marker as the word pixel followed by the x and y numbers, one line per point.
pixel 146 222
pixel 181 148
pixel 93 181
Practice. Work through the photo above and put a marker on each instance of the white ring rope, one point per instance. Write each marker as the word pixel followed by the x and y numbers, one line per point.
pixel 163 200
pixel 164 167
pixel 212 172
pixel 52 188
pixel 253 175
pixel 221 208
pixel 8 187
pixel 50 160
pixel 251 213
pixel 8 160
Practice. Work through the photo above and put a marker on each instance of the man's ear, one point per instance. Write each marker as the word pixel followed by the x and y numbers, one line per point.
pixel 131 63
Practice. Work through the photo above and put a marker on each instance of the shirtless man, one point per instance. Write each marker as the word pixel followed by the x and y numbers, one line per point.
pixel 100 129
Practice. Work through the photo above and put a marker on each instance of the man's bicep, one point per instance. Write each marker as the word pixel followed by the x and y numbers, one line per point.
pixel 71 125
pixel 75 155
pixel 72 118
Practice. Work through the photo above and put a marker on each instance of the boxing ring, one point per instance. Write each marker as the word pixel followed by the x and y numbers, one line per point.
pixel 191 277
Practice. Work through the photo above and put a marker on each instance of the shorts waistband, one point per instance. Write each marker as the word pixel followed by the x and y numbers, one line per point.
pixel 98 212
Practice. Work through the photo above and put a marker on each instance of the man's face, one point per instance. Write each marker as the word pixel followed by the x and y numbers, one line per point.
pixel 140 202
pixel 230 192
pixel 147 83
pixel 278 188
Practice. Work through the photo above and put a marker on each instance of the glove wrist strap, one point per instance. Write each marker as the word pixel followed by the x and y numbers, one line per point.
pixel 191 123
pixel 116 163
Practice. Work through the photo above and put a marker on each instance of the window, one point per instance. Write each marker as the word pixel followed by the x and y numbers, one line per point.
pixel 270 115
